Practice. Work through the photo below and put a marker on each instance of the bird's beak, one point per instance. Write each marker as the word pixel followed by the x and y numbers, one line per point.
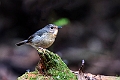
pixel 59 27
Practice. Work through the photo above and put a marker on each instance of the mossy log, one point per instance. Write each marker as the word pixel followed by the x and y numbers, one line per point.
pixel 49 67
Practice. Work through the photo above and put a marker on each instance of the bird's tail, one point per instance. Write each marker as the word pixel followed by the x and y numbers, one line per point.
pixel 21 42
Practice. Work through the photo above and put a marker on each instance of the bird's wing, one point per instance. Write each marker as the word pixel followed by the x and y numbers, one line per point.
pixel 39 33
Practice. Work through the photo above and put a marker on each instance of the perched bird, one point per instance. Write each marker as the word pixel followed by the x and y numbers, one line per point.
pixel 43 38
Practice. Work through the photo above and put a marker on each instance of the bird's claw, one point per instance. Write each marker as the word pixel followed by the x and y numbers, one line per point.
pixel 40 49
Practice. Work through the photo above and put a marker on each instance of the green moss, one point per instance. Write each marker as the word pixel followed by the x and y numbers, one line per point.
pixel 55 69
pixel 58 68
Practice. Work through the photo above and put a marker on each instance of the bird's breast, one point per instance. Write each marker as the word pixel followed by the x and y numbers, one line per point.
pixel 43 41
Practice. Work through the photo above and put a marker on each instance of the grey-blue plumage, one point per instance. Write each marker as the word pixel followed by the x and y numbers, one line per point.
pixel 42 38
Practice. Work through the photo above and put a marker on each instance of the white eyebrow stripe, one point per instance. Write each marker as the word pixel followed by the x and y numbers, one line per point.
pixel 51 24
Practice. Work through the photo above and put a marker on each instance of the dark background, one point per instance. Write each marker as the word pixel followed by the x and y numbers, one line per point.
pixel 93 34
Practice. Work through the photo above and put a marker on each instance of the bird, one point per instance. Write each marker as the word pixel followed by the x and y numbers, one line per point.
pixel 42 38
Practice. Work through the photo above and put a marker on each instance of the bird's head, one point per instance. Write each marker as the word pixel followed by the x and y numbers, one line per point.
pixel 51 28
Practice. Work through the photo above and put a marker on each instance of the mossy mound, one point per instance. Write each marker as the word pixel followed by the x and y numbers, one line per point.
pixel 50 67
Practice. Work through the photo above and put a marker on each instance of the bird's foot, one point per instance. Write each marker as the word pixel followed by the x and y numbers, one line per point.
pixel 40 49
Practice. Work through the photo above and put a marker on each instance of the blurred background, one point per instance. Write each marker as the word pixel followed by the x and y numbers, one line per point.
pixel 91 31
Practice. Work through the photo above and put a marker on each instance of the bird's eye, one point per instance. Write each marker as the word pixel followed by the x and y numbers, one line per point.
pixel 52 27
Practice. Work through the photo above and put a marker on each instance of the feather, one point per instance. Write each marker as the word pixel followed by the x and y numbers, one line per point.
pixel 21 42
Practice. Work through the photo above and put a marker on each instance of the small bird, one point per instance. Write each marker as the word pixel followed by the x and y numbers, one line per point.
pixel 43 38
